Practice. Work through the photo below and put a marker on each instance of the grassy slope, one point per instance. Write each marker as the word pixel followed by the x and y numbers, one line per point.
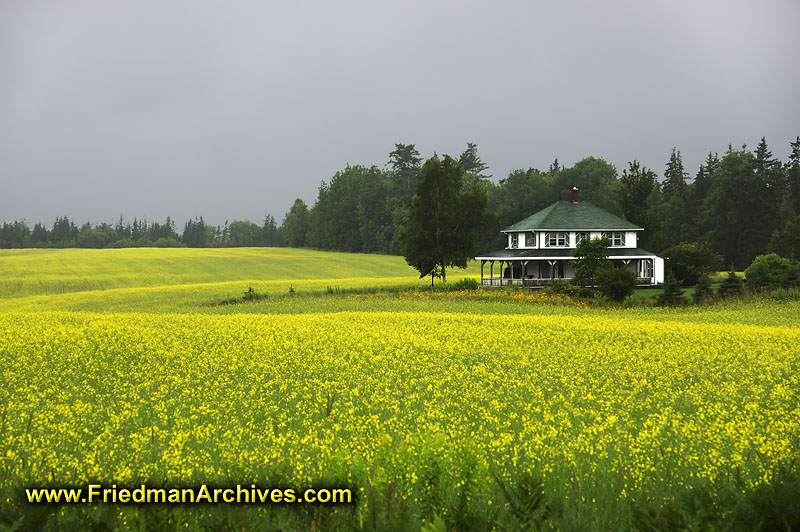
pixel 39 271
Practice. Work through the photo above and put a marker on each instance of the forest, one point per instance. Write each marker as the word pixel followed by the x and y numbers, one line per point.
pixel 741 204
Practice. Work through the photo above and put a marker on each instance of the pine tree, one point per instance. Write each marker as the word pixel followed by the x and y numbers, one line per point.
pixel 637 191
pixel 672 296
pixel 792 170
pixel 702 290
pixel 471 162
pixel 674 176
pixel 731 286
pixel 405 163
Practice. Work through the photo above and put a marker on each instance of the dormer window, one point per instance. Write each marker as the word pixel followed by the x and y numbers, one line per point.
pixel 617 238
pixel 514 240
pixel 555 240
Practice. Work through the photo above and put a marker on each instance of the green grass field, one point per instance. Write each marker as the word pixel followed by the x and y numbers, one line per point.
pixel 441 410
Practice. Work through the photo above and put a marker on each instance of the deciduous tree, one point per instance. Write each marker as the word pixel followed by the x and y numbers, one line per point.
pixel 592 258
pixel 444 219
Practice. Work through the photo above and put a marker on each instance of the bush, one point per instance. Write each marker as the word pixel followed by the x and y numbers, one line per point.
pixel 769 270
pixel 672 296
pixel 560 286
pixel 616 283
pixel 731 286
pixel 467 283
pixel 690 261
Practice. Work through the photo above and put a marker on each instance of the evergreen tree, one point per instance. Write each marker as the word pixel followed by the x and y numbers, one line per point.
pixel 64 232
pixel 14 234
pixel 351 211
pixel 693 228
pixel 405 163
pixel 638 195
pixel 616 283
pixel 740 210
pixel 40 235
pixel 672 295
pixel 271 235
pixel 702 290
pixel 674 196
pixel 295 224
pixel 197 233
pixel 444 219
pixel 792 170
pixel 731 286
pixel 674 177
pixel 771 175
pixel 472 163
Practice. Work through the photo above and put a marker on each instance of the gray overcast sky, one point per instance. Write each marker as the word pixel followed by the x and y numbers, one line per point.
pixel 230 110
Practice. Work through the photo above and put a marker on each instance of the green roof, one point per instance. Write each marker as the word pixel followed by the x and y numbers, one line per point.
pixel 568 216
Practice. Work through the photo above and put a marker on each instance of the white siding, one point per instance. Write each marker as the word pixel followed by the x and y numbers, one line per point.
pixel 658 270
pixel 630 239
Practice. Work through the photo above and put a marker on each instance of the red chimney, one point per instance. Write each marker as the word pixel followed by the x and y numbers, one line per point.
pixel 574 194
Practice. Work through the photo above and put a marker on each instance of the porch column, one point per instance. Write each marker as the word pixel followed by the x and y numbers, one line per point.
pixel 482 263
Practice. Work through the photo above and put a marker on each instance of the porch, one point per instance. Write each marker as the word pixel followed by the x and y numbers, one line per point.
pixel 531 273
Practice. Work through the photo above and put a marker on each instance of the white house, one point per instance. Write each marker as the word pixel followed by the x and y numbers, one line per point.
pixel 540 247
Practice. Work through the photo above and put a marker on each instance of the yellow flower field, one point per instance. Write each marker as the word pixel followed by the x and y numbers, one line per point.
pixel 420 393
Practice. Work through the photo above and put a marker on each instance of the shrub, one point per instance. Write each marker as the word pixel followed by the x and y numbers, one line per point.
pixel 672 296
pixel 252 295
pixel 467 283
pixel 690 261
pixel 770 270
pixel 616 283
pixel 731 286
pixel 560 286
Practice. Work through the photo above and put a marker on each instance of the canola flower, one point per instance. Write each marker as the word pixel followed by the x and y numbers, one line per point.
pixel 581 396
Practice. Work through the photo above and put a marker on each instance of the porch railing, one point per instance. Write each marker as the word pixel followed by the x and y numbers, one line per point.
pixel 538 283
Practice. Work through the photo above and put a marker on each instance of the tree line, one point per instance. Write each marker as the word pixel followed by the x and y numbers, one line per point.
pixel 140 233
pixel 741 204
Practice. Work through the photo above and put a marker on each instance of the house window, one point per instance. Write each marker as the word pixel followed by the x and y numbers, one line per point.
pixel 580 236
pixel 617 238
pixel 514 240
pixel 530 239
pixel 645 268
pixel 555 240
